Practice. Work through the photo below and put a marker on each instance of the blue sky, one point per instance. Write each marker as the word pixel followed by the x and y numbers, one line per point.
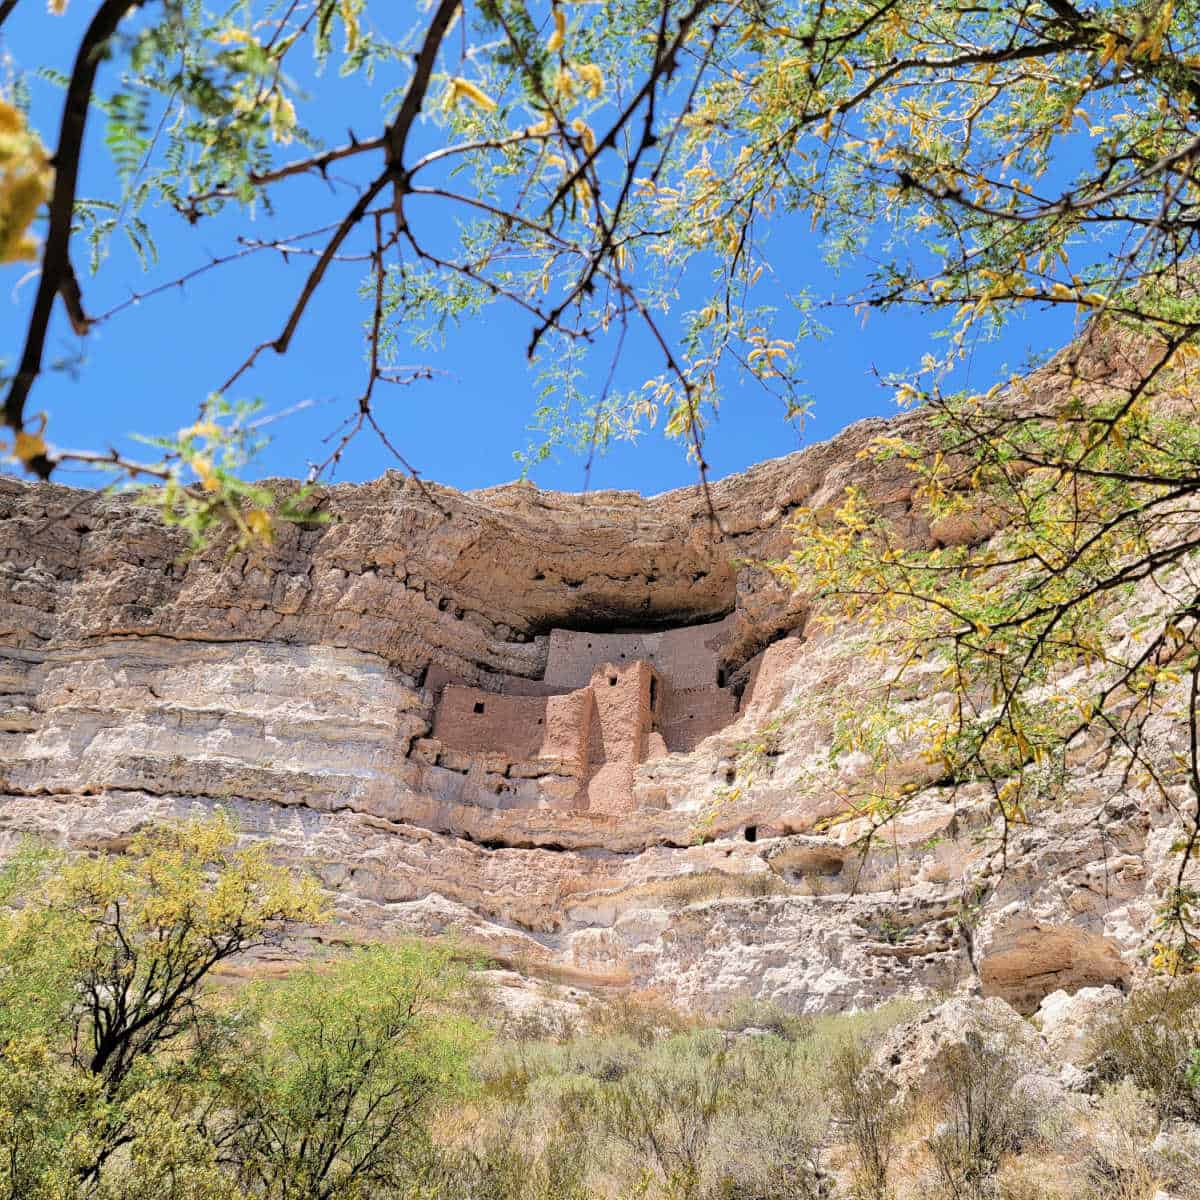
pixel 147 369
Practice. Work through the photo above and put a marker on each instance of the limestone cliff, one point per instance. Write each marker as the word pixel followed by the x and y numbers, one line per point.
pixel 585 732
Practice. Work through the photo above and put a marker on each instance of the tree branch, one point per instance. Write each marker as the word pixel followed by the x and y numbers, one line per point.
pixel 395 139
pixel 56 270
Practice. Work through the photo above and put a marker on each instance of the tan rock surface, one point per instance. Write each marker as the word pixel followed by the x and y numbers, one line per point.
pixel 298 688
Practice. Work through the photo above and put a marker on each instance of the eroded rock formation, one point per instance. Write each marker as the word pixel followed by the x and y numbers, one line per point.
pixel 585 732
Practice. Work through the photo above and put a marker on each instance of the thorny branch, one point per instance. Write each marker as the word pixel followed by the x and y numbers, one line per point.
pixel 58 278
pixel 56 273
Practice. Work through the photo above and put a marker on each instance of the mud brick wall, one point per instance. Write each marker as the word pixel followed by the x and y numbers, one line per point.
pixel 519 727
pixel 619 732
pixel 691 715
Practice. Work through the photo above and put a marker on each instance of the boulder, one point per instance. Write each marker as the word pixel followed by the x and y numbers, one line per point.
pixel 1068 1021
pixel 914 1052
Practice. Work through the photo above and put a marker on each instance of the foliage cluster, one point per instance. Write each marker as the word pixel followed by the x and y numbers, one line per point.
pixel 988 1115
pixel 1059 609
pixel 804 1107
pixel 125 1073
pixel 684 1112
pixel 1154 1042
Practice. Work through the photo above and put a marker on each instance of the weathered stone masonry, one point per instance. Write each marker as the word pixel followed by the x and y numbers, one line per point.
pixel 607 702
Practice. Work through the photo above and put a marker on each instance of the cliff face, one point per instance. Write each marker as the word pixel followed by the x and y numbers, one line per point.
pixel 581 731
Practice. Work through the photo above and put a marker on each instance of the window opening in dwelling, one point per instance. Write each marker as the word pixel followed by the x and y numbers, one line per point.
pixel 478 706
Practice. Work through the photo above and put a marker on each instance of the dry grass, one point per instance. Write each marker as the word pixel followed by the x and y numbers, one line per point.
pixel 701 886
pixel 650 1104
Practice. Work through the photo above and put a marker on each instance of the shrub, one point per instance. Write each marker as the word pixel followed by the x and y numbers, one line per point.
pixel 649 1103
pixel 540 1024
pixel 864 1106
pixel 767 1145
pixel 500 1170
pixel 663 1111
pixel 699 886
pixel 748 1013
pixel 642 1018
pixel 826 1034
pixel 334 1092
pixel 1153 1042
pixel 985 1113
pixel 1115 1165
pixel 110 1040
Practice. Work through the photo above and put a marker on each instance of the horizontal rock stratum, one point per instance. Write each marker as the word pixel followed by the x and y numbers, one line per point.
pixel 367 692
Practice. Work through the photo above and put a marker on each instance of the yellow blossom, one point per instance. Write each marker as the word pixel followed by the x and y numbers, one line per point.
pixel 258 521
pixel 464 89
pixel 555 41
pixel 593 79
pixel 206 429
pixel 585 135
pixel 203 467
pixel 25 179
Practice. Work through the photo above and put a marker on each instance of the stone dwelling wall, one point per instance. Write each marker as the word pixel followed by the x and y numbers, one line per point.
pixel 688 717
pixel 519 727
pixel 574 657
pixel 438 678
pixel 608 703
pixel 619 734
pixel 685 658
pixel 690 657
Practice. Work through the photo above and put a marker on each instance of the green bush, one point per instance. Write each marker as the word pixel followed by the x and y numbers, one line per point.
pixel 1154 1041
pixel 768 1144
pixel 985 1114
pixel 500 1170
pixel 335 1091
pixel 652 1107
pixel 867 1115
pixel 663 1111
pixel 1115 1163
pixel 642 1018
pixel 747 1013
pixel 124 1073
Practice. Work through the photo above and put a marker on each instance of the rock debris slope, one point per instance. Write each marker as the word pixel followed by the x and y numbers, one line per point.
pixel 367 692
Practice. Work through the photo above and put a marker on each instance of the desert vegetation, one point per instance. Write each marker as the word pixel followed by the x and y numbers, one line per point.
pixel 132 1066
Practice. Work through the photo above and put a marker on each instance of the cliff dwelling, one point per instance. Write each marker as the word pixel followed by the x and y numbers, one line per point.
pixel 512 723
pixel 605 703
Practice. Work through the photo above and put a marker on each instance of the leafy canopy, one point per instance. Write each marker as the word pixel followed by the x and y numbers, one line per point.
pixel 595 156
pixel 125 1072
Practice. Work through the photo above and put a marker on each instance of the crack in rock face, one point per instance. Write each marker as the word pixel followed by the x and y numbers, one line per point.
pixel 586 733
